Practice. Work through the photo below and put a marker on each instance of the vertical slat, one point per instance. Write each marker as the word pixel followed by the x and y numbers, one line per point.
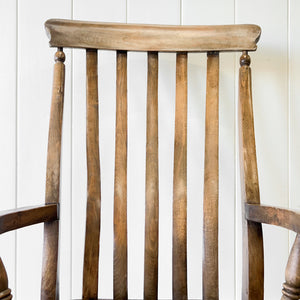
pixel 180 182
pixel 151 215
pixel 92 234
pixel 211 181
pixel 120 189
pixel 49 288
pixel 253 261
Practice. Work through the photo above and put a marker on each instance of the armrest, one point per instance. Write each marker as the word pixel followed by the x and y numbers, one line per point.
pixel 287 218
pixel 21 217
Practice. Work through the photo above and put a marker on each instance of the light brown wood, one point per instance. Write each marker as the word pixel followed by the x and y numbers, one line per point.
pixel 151 214
pixel 291 288
pixel 210 277
pixel 289 219
pixel 118 36
pixel 92 233
pixel 120 190
pixel 26 216
pixel 49 288
pixel 154 38
pixel 253 261
pixel 180 182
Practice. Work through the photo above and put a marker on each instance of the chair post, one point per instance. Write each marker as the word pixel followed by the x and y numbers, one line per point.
pixel 5 292
pixel 50 286
pixel 253 255
pixel 291 287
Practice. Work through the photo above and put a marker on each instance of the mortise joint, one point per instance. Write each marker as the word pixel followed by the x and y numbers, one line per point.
pixel 212 53
pixel 59 55
pixel 245 59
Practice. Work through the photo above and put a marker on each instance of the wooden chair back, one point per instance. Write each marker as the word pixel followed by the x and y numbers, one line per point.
pixel 153 39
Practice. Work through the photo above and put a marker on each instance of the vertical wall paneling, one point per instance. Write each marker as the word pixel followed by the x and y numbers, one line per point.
pixel 153 12
pixel 294 67
pixel 25 83
pixel 294 109
pixel 206 13
pixel 105 11
pixel 8 33
pixel 35 71
pixel 137 87
pixel 270 92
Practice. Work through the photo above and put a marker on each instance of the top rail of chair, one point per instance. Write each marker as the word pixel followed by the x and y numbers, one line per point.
pixel 162 38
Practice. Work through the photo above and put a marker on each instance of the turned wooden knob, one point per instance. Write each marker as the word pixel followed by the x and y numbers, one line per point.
pixel 245 59
pixel 59 55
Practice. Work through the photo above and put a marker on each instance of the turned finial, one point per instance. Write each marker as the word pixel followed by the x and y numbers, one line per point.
pixel 245 59
pixel 59 55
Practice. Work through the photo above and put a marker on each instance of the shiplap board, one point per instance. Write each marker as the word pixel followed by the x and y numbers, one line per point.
pixel 270 101
pixel 8 103
pixel 35 71
pixel 147 12
pixel 294 109
pixel 112 11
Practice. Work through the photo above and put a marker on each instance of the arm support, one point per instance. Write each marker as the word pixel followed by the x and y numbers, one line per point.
pixel 286 218
pixel 21 217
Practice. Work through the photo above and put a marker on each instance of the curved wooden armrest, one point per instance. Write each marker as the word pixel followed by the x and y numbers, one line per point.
pixel 26 216
pixel 289 219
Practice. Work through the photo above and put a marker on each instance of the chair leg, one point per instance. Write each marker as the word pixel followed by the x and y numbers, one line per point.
pixel 291 287
pixel 5 292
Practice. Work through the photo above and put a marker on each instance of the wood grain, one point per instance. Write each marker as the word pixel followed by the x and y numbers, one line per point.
pixel 118 36
pixel 291 287
pixel 151 213
pixel 49 288
pixel 282 217
pixel 92 233
pixel 180 182
pixel 26 216
pixel 253 261
pixel 210 265
pixel 120 189
pixel 5 292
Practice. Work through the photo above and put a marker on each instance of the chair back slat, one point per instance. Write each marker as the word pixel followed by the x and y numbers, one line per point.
pixel 120 188
pixel 92 234
pixel 180 182
pixel 211 181
pixel 49 288
pixel 151 214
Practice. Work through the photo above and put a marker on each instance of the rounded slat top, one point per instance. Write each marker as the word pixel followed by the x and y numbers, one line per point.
pixel 164 38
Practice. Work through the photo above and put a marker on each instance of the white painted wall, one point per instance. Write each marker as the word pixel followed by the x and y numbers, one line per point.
pixel 25 85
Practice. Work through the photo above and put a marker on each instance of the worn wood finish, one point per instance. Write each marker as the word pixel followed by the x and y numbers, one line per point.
pixel 253 262
pixel 286 218
pixel 92 234
pixel 291 287
pixel 26 216
pixel 151 213
pixel 180 182
pixel 49 288
pixel 210 281
pixel 120 189
pixel 5 292
pixel 118 36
